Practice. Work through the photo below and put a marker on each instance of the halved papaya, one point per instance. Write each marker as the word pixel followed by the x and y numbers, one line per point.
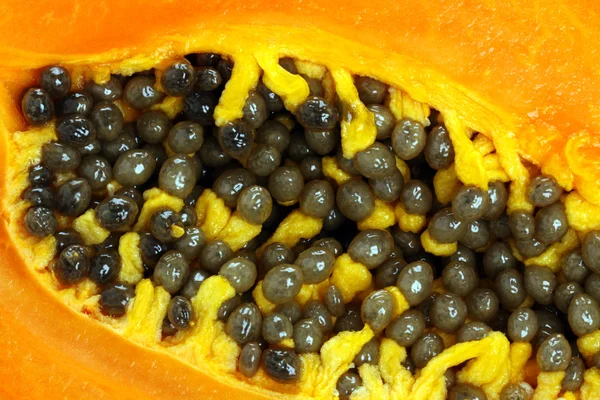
pixel 299 200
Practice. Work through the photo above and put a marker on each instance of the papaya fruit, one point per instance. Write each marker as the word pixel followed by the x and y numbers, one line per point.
pixel 299 200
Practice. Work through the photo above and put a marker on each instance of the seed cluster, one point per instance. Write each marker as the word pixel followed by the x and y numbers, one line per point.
pixel 267 164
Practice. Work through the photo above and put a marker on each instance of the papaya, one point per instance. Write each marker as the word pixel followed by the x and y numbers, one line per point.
pixel 392 200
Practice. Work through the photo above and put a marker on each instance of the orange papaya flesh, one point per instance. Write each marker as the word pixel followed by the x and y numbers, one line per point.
pixel 469 169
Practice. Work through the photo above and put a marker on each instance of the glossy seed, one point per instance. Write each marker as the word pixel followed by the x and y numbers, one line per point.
pixel 482 305
pixel 249 361
pixel 316 113
pixel 214 254
pixel 460 278
pixel 308 336
pixel 276 327
pixel 73 265
pixel 377 309
pixel 134 167
pixel 583 314
pixel 522 325
pixel 37 106
pixel 510 288
pixel 73 197
pixel 254 204
pixel 416 197
pixel 318 311
pixel 115 298
pixel 551 223
pixel 240 272
pixel 108 91
pixel 180 312
pixel 408 139
pixel 75 130
pixel 178 176
pixel 465 391
pixel 286 183
pixel 369 354
pixel 178 78
pixel 317 198
pixel 193 283
pixel 334 301
pixel 171 271
pixel 230 184
pixel 282 283
pixel 406 328
pixel 263 160
pixel 590 251
pixel 375 162
pixel 116 212
pixel 244 324
pixel 448 312
pixel 282 365
pixel 543 191
pixel 554 354
pixel 347 384
pixel 355 199
pixel 371 247
pixel 439 150
pixel 316 264
pixel 472 331
pixel 540 283
pixel 415 282
pixel 236 139
pixel 140 92
pixel 425 348
pixel 470 203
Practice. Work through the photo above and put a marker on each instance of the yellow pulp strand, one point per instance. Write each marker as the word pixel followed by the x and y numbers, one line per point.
pixel 482 351
pixel 520 352
pixel 244 78
pixel 132 267
pixel 292 89
pixel 294 227
pixel 469 162
pixel 400 302
pixel 590 390
pixel 89 228
pixel 548 385
pixel 149 308
pixel 552 256
pixel 517 197
pixel 336 355
pixel 358 128
pixel 238 232
pixel 213 214
pixel 581 214
pixel 403 106
pixel 350 277
pixel 430 245
pixel 331 169
pixel 383 217
pixel 171 106
pixel 409 222
pixel 589 344
pixel 154 200
pixel 212 293
pixel 446 184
